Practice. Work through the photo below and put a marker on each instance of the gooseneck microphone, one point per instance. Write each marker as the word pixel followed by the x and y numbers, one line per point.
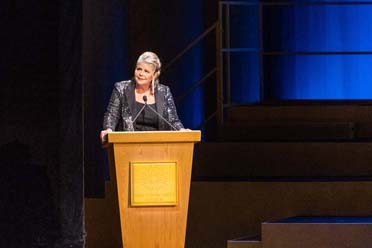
pixel 141 110
pixel 159 115
pixel 154 111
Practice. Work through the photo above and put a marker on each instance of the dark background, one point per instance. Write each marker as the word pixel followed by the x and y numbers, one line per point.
pixel 59 61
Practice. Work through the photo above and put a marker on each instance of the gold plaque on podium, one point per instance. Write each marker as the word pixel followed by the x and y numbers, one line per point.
pixel 153 183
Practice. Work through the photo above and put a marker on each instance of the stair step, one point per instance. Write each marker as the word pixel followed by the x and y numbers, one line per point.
pixel 322 112
pixel 282 160
pixel 286 131
pixel 325 232
pixel 241 207
pixel 363 130
pixel 245 242
pixel 306 112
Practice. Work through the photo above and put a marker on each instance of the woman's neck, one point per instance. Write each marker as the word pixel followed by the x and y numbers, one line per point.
pixel 142 89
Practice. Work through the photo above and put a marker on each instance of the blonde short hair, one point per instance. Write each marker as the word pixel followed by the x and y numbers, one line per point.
pixel 152 59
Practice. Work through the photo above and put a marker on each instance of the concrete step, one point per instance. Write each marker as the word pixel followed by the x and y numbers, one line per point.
pixel 282 160
pixel 286 131
pixel 325 232
pixel 305 112
pixel 318 121
pixel 245 242
pixel 220 211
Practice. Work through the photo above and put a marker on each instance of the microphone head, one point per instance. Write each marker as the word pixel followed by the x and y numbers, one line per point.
pixel 144 98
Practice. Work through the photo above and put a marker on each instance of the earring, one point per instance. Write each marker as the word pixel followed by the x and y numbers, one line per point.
pixel 153 86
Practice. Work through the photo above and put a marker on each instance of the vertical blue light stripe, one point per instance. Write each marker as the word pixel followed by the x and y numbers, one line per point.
pixel 244 66
pixel 189 69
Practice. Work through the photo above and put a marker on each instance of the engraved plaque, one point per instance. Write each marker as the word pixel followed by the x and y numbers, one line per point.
pixel 153 183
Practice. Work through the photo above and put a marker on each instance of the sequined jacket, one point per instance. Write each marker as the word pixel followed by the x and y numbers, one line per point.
pixel 122 109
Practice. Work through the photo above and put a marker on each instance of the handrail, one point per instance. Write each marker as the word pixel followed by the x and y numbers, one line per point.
pixel 195 85
pixel 176 58
pixel 220 67
pixel 202 125
pixel 216 26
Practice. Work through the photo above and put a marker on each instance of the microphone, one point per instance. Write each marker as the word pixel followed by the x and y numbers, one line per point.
pixel 159 115
pixel 141 110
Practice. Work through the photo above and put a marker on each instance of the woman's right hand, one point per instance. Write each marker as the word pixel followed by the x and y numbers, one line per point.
pixel 103 136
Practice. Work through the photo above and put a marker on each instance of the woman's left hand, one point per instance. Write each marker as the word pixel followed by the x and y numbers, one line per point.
pixel 185 129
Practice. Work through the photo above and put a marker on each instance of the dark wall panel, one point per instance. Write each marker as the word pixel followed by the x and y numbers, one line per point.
pixel 29 100
pixel 71 183
pixel 40 146
pixel 104 63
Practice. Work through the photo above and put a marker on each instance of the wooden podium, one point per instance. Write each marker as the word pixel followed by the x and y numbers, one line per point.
pixel 152 173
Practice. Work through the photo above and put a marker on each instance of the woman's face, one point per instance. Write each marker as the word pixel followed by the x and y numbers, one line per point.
pixel 144 73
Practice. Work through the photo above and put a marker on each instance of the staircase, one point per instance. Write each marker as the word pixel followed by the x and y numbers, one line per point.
pixel 276 161
pixel 245 242
pixel 310 232
pixel 298 121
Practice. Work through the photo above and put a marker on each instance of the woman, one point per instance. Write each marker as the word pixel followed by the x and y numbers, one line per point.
pixel 128 99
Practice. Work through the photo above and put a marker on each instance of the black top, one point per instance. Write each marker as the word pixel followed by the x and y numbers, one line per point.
pixel 147 120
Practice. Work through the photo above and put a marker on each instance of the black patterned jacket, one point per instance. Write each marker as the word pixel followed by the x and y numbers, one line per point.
pixel 122 109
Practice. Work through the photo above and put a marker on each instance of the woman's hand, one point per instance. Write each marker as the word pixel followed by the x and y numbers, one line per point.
pixel 185 129
pixel 103 136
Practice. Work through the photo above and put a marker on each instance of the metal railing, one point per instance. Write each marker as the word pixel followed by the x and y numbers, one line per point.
pixel 215 70
pixel 225 50
pixel 222 68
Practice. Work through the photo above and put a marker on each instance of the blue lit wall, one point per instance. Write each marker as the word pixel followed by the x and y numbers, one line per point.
pixel 241 25
pixel 244 53
pixel 190 71
pixel 322 29
pixel 321 77
pixel 191 109
pixel 179 31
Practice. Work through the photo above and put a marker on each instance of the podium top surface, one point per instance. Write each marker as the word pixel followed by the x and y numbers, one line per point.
pixel 154 136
